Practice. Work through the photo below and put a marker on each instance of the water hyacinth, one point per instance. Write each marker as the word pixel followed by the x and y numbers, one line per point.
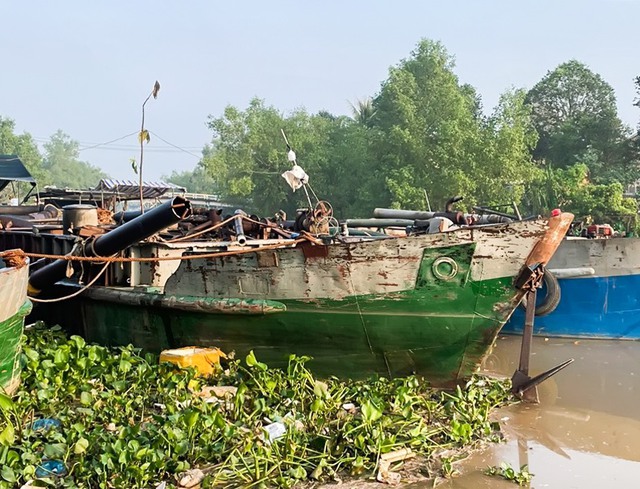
pixel 90 416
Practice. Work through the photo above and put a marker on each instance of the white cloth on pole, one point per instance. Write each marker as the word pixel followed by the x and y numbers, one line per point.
pixel 296 177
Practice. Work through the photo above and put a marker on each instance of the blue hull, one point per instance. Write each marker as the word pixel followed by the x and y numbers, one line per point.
pixel 590 307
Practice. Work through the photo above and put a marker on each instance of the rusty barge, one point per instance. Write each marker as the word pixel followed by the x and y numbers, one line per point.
pixel 358 302
pixel 429 304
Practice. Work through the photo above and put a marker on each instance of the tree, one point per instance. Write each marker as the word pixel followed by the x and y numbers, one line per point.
pixel 571 189
pixel 434 138
pixel 363 111
pixel 26 149
pixel 574 111
pixel 63 166
pixel 249 155
pixel 504 159
pixel 197 180
pixel 22 145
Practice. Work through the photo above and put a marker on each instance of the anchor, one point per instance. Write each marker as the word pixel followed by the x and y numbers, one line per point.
pixel 522 385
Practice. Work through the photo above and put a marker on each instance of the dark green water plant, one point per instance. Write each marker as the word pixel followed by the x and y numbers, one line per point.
pixel 116 418
pixel 521 477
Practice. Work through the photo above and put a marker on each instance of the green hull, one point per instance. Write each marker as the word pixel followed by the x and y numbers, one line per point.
pixel 10 336
pixel 440 332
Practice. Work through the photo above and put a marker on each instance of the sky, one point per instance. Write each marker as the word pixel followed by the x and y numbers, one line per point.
pixel 86 67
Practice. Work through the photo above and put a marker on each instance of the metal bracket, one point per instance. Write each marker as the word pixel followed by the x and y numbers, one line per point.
pixel 523 386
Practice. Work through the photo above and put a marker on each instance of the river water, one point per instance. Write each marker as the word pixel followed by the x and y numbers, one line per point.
pixel 584 433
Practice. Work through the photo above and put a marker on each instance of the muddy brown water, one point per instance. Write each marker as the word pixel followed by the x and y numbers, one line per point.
pixel 585 433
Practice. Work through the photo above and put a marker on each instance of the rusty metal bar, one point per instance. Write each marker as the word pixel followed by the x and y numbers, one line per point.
pixel 527 334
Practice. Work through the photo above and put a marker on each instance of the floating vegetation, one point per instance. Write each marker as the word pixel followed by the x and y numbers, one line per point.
pixel 89 416
pixel 506 471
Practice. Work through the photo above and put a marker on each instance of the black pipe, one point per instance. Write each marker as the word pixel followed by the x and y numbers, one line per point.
pixel 448 206
pixel 126 216
pixel 116 240
pixel 237 226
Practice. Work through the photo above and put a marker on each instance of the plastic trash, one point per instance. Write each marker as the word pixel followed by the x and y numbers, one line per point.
pixel 275 430
pixel 45 424
pixel 51 468
pixel 191 478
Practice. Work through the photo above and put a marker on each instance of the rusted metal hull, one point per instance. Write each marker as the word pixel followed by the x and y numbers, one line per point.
pixel 599 281
pixel 14 307
pixel 428 304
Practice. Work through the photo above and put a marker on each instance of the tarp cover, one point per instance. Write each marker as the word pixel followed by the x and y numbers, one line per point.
pixel 13 170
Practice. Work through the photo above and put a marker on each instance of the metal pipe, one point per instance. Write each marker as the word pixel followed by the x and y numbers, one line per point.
pixel 126 216
pixel 494 212
pixel 238 228
pixel 116 240
pixel 401 214
pixel 493 219
pixel 378 223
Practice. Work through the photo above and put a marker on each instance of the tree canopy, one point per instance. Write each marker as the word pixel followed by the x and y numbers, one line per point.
pixel 62 166
pixel 574 111
pixel 422 138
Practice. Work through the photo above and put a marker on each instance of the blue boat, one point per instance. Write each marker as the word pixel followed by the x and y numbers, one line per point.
pixel 598 287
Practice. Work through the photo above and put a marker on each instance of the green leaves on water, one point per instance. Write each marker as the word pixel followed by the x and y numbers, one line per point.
pixel 127 420
pixel 7 435
pixel 506 471
pixel 6 404
pixel 370 412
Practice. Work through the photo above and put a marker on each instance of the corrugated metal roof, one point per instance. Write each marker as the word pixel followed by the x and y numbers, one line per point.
pixel 129 188
pixel 13 170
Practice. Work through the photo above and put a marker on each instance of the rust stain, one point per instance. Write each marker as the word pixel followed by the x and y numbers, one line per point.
pixel 14 258
pixel 268 259
pixel 153 267
pixel 314 251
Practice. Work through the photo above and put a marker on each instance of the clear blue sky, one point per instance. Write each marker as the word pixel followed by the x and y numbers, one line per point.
pixel 86 66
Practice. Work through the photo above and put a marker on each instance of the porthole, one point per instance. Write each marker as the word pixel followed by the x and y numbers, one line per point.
pixel 444 268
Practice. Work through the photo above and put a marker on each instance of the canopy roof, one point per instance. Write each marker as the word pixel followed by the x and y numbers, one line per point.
pixel 13 170
pixel 130 189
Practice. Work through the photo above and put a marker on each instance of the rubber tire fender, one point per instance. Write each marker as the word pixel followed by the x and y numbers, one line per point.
pixel 551 300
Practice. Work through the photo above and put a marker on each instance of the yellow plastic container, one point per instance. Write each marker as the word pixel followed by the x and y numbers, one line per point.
pixel 204 360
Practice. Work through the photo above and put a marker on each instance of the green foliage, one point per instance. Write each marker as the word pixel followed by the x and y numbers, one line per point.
pixel 505 164
pixel 24 147
pixel 571 190
pixel 248 156
pixel 506 471
pixel 245 162
pixel 197 180
pixel 63 166
pixel 428 129
pixel 126 421
pixel 425 131
pixel 574 111
pixel 434 138
pixel 60 165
